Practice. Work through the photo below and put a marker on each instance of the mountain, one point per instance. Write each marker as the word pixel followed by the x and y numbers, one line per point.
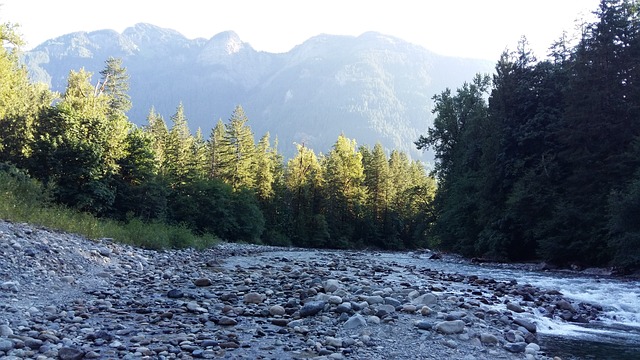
pixel 372 87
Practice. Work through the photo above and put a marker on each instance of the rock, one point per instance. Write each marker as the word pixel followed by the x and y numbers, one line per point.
pixel 175 294
pixel 423 325
pixel 374 299
pixel 253 298
pixel 426 311
pixel 354 322
pixel 277 310
pixel 515 347
pixel 311 308
pixel 514 307
pixel 565 305
pixel 67 353
pixel 425 299
pixel 531 327
pixel 5 330
pixel 331 285
pixel 532 349
pixel 201 282
pixel 32 343
pixel 6 345
pixel 227 321
pixel 488 339
pixel 450 327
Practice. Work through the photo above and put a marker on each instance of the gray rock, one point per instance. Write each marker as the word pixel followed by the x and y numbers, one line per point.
pixel 253 298
pixel 488 339
pixel 277 310
pixel 425 299
pixel 5 330
pixel 67 353
pixel 354 322
pixel 517 347
pixel 331 285
pixel 515 307
pixel 6 345
pixel 311 308
pixel 227 321
pixel 175 294
pixel 450 327
pixel 531 327
pixel 424 325
pixel 200 282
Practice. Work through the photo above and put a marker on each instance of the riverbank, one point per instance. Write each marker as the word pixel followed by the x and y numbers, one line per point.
pixel 63 296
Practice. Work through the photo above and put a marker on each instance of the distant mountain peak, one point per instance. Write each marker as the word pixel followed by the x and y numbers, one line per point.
pixel 228 41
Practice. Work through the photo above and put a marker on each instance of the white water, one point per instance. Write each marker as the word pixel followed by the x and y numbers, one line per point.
pixel 619 322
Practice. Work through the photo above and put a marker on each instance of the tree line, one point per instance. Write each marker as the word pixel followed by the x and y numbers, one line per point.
pixel 85 151
pixel 542 161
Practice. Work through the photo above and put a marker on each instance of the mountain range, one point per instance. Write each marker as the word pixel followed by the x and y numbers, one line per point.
pixel 372 88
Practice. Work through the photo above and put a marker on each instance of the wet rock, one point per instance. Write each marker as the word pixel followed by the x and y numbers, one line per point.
pixel 531 327
pixel 515 307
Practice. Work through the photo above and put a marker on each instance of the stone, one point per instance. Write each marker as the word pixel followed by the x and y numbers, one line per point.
pixel 253 298
pixel 201 282
pixel 488 339
pixel 227 321
pixel 68 353
pixel 175 294
pixel 331 285
pixel 277 310
pixel 515 307
pixel 531 327
pixel 425 299
pixel 311 308
pixel 5 330
pixel 517 347
pixel 423 325
pixel 6 345
pixel 450 327
pixel 354 322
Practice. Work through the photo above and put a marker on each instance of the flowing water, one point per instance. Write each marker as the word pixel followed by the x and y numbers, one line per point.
pixel 616 336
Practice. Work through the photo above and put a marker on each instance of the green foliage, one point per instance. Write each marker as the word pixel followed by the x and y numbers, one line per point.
pixel 546 170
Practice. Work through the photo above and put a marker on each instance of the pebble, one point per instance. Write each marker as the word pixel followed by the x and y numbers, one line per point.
pixel 242 301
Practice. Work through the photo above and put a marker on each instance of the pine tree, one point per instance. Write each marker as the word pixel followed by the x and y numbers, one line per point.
pixel 238 152
pixel 178 148
pixel 345 191
pixel 158 133
pixel 216 149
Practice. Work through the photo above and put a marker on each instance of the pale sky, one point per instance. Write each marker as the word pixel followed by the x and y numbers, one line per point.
pixel 467 28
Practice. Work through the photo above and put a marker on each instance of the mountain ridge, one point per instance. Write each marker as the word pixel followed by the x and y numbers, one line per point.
pixel 372 87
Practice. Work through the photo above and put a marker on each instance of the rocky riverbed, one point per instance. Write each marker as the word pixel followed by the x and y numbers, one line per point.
pixel 66 297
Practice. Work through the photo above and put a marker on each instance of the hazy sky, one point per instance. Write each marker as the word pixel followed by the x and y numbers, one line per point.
pixel 468 28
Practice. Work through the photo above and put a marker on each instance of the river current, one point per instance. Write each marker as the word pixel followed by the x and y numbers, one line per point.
pixel 616 334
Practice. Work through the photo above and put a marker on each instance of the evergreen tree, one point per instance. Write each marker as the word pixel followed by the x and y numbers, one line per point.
pixel 304 180
pixel 345 192
pixel 158 134
pixel 178 148
pixel 238 152
pixel 216 149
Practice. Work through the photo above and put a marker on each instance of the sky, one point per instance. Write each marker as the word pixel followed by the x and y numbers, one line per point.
pixel 480 29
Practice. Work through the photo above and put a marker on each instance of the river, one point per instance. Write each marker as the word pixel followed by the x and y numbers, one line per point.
pixel 616 336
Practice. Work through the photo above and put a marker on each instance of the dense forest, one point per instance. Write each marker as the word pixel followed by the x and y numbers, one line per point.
pixel 543 159
pixel 83 148
pixel 539 162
